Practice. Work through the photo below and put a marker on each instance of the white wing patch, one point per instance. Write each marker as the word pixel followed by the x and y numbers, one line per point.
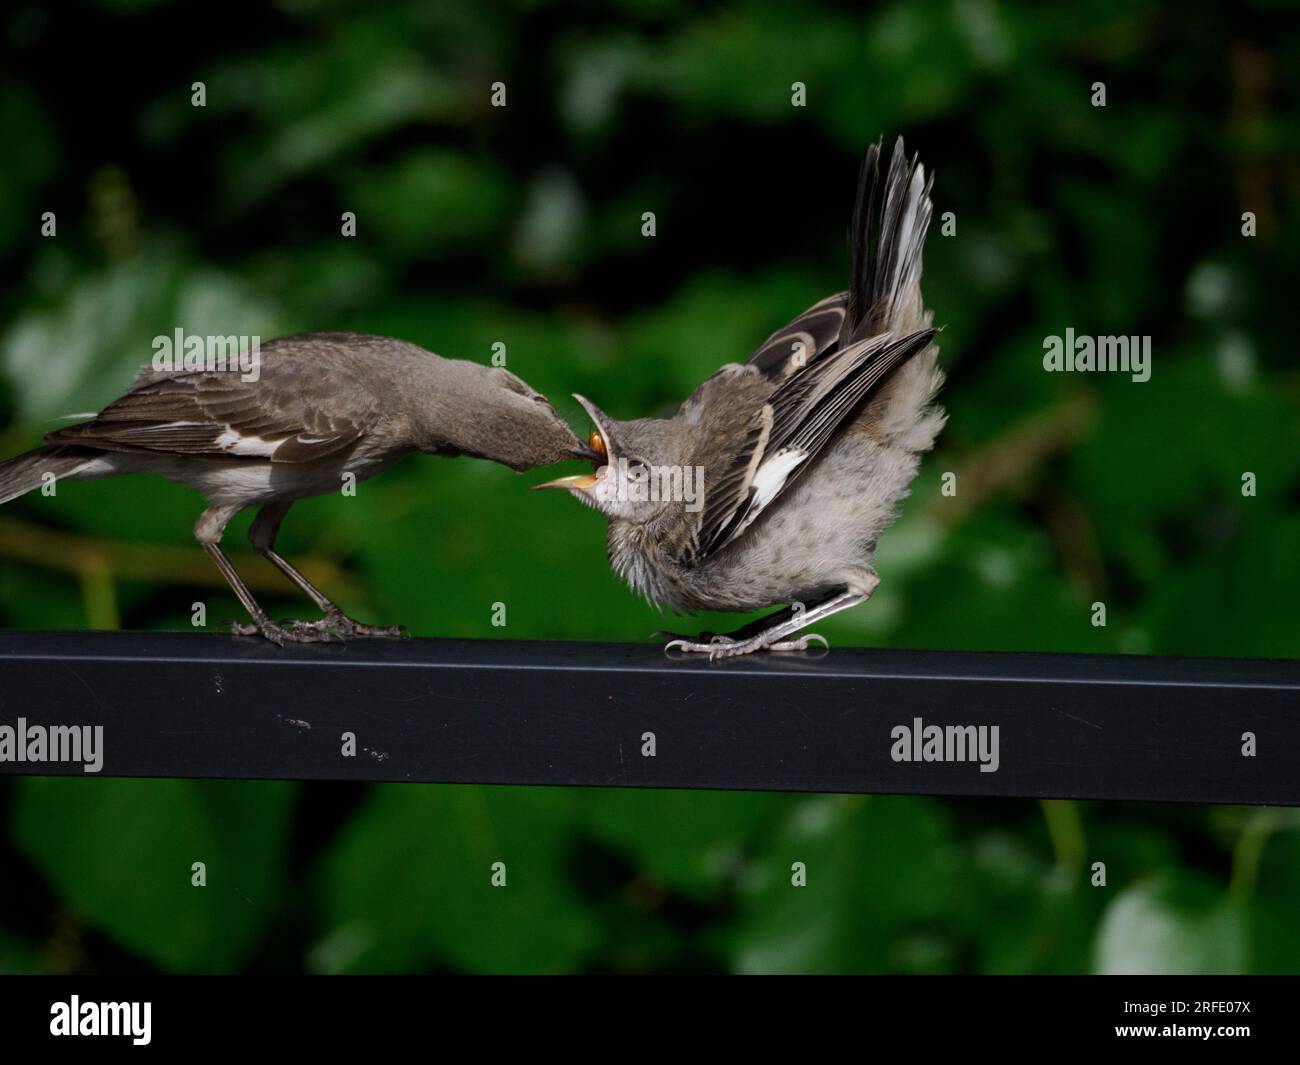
pixel 768 481
pixel 774 472
pixel 236 443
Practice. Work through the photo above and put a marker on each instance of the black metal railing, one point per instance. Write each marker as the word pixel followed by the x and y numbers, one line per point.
pixel 1050 725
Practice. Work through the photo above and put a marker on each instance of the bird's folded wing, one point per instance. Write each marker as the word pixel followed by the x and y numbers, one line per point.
pixel 804 340
pixel 727 482
pixel 789 430
pixel 280 417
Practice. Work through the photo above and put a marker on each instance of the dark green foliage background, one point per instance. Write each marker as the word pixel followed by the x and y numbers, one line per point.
pixel 522 225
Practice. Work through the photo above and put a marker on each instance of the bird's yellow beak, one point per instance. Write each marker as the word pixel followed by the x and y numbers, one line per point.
pixel 581 481
pixel 597 445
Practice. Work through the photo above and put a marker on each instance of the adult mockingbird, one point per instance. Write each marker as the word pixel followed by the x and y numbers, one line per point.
pixel 325 410
pixel 805 450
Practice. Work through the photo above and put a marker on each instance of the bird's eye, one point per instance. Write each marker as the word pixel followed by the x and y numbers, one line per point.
pixel 638 467
pixel 597 443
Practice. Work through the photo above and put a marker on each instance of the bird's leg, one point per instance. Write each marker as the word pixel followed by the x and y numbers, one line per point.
pixel 774 632
pixel 770 633
pixel 262 625
pixel 752 628
pixel 334 617
pixel 208 530
pixel 262 535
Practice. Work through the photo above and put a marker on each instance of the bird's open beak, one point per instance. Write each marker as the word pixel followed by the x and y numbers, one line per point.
pixel 599 458
pixel 606 442
pixel 581 481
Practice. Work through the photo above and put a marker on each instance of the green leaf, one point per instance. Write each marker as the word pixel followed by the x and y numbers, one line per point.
pixel 1001 590
pixel 1252 582
pixel 1276 917
pixel 26 172
pixel 85 350
pixel 1022 912
pixel 879 871
pixel 409 883
pixel 1172 925
pixel 431 203
pixel 689 841
pixel 120 852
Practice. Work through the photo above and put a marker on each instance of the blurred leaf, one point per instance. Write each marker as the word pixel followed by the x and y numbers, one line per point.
pixel 431 203
pixel 1220 435
pixel 84 351
pixel 32 598
pixel 1000 591
pixel 878 869
pixel 408 883
pixel 1023 913
pixel 1180 924
pixel 698 838
pixel 120 853
pixel 1275 919
pixel 310 105
pixel 1251 586
pixel 26 171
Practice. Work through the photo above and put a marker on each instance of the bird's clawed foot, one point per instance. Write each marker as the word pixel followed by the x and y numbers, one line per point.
pixel 725 647
pixel 334 627
pixel 280 634
pixel 338 624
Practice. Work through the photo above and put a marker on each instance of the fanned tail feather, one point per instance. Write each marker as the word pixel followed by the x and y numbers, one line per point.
pixel 28 472
pixel 886 241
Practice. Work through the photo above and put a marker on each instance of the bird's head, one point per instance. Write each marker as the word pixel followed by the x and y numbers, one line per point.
pixel 640 469
pixel 535 435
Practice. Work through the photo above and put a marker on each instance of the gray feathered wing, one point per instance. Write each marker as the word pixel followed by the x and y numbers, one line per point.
pixel 294 412
pixel 821 367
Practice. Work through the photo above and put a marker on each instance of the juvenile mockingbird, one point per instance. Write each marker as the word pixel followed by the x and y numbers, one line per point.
pixel 805 450
pixel 323 406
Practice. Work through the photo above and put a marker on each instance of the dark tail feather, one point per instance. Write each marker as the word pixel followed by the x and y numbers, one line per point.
pixel 884 292
pixel 28 472
pixel 864 210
